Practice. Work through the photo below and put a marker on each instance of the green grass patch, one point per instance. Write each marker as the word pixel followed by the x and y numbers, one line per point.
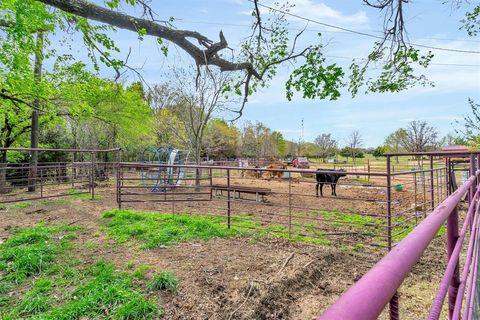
pixel 164 281
pixel 18 205
pixel 157 229
pixel 30 251
pixel 140 272
pixel 361 180
pixel 81 194
pixel 54 202
pixel 106 293
pixel 351 220
pixel 59 287
pixel 90 245
pixel 36 300
pixel 218 174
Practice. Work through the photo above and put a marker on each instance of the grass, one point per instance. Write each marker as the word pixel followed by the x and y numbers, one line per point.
pixel 352 220
pixel 361 180
pixel 36 300
pixel 55 285
pixel 155 230
pixel 400 232
pixel 106 293
pixel 81 194
pixel 90 245
pixel 158 229
pixel 54 202
pixel 29 252
pixel 141 272
pixel 164 281
pixel 18 205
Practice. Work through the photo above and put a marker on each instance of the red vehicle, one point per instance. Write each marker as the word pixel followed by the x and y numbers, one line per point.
pixel 301 162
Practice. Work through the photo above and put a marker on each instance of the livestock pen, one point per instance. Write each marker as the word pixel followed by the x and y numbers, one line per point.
pixel 371 210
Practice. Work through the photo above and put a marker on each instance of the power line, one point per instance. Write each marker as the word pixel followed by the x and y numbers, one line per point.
pixel 433 63
pixel 360 32
pixel 314 30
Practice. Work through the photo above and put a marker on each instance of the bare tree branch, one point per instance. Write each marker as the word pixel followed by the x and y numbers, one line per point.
pixel 6 24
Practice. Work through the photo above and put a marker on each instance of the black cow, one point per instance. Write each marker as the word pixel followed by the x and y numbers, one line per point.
pixel 329 178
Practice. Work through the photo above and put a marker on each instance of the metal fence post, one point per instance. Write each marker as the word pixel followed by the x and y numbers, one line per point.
pixel 92 175
pixel 41 183
pixel 211 182
pixel 119 191
pixel 452 236
pixel 289 204
pixel 368 169
pixel 389 205
pixel 471 173
pixel 394 303
pixel 447 177
pixel 73 169
pixel 228 198
pixel 478 161
pixel 432 193
pixel 424 185
pixel 416 200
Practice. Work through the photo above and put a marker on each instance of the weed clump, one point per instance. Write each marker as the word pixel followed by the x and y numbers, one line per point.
pixel 164 281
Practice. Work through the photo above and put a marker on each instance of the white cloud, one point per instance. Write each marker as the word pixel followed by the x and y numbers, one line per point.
pixel 297 131
pixel 314 10
pixel 320 11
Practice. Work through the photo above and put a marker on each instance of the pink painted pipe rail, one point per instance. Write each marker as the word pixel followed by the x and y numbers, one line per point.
pixel 436 308
pixel 367 298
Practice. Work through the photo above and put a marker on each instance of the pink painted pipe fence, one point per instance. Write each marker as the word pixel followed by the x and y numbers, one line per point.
pixel 367 298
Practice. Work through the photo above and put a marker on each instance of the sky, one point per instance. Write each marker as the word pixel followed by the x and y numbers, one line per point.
pixel 429 22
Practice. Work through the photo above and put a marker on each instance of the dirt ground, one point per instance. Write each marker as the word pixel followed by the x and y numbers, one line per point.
pixel 239 278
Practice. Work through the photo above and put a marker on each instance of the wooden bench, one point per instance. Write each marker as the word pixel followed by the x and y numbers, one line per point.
pixel 237 189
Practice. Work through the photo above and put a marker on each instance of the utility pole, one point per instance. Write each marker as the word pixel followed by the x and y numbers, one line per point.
pixel 300 140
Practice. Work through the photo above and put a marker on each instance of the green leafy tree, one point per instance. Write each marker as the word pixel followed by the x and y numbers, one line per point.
pixel 327 146
pixel 280 143
pixel 379 151
pixel 310 149
pixel 113 116
pixel 257 141
pixel 221 140
pixel 394 141
pixel 470 127
pixel 347 152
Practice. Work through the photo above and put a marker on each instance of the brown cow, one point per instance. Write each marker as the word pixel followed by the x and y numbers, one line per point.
pixel 277 174
pixel 257 174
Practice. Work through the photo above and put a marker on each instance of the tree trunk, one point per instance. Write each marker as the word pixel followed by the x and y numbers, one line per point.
pixel 35 133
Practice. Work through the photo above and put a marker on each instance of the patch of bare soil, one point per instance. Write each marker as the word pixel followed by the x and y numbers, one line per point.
pixel 239 278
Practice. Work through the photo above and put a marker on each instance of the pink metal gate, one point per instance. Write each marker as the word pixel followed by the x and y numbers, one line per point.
pixel 380 284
